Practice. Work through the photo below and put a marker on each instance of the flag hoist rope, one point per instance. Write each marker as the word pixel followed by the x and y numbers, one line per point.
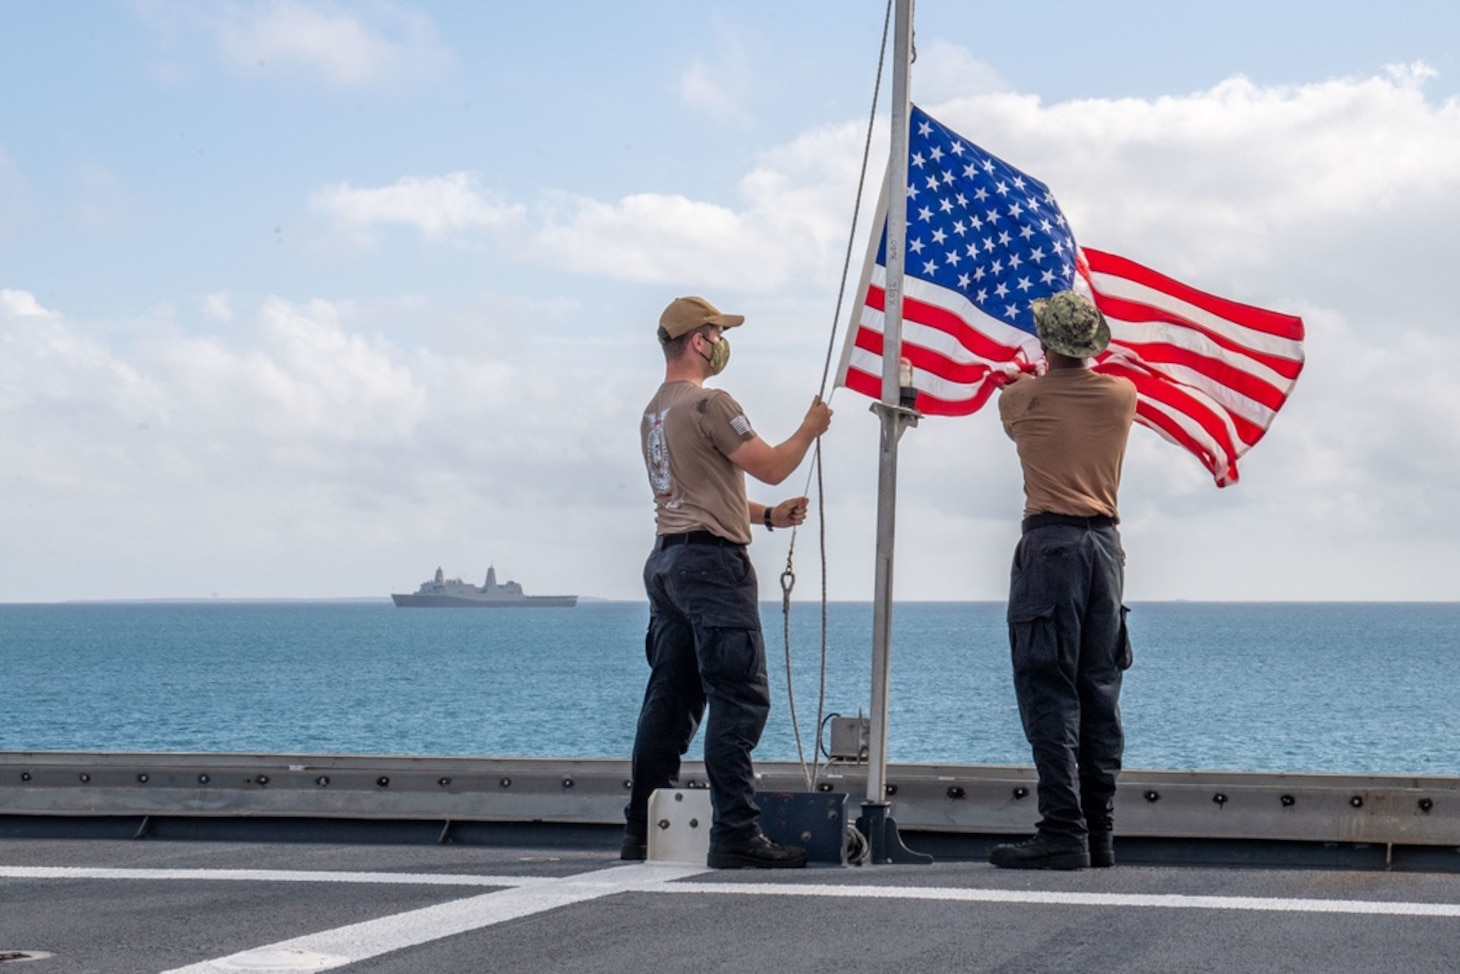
pixel 788 577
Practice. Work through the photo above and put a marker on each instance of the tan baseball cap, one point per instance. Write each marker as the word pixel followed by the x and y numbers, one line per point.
pixel 684 315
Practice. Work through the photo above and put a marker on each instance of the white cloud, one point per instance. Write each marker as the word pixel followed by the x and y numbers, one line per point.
pixel 790 222
pixel 21 304
pixel 943 70
pixel 291 436
pixel 1236 176
pixel 344 45
pixel 436 206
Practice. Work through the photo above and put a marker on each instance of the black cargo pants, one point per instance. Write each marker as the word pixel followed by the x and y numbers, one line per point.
pixel 1068 640
pixel 704 647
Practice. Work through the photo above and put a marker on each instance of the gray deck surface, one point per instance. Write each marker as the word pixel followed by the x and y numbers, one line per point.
pixel 117 907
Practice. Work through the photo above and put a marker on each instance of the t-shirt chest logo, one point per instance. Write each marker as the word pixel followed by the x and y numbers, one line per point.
pixel 656 453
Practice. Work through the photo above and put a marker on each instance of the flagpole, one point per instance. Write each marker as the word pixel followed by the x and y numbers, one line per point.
pixel 879 828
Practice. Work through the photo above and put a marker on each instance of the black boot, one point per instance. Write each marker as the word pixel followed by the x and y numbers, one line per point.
pixel 1043 851
pixel 757 852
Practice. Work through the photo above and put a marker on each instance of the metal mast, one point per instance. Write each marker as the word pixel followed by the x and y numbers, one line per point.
pixel 896 417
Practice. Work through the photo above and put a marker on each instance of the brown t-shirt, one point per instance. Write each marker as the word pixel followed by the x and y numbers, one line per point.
pixel 688 434
pixel 1070 426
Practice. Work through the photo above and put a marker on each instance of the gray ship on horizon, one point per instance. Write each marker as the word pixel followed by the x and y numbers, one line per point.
pixel 452 593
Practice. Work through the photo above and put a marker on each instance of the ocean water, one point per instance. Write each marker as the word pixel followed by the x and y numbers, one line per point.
pixel 1301 687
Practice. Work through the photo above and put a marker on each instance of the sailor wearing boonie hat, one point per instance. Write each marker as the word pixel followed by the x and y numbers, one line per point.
pixel 1067 632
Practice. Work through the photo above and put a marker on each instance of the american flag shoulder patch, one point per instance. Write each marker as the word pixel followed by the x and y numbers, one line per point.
pixel 740 425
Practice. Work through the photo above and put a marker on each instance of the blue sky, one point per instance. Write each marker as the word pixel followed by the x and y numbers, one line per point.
pixel 309 298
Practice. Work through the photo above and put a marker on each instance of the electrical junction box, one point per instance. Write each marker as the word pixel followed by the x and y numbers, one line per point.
pixel 679 824
pixel 816 821
pixel 849 737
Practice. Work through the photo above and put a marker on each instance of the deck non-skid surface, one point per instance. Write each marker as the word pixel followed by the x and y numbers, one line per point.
pixel 203 908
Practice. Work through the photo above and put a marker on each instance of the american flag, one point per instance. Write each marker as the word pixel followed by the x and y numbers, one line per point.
pixel 984 240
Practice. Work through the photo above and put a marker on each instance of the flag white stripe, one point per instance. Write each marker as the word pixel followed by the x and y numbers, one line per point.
pixel 956 304
pixel 1160 333
pixel 934 385
pixel 1194 430
pixel 935 340
pixel 1217 394
pixel 1114 286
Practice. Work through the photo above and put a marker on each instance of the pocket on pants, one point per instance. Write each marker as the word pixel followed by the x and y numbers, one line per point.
pixel 733 655
pixel 1033 639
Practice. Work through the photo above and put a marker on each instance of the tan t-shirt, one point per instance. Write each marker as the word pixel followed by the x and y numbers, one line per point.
pixel 1071 427
pixel 688 434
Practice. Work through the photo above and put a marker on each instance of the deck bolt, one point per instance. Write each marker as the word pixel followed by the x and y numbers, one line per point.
pixel 1219 798
pixel 954 791
pixel 1287 800
pixel 505 783
pixel 383 781
pixel 1357 801
pixel 567 782
pixel 1153 795
pixel 824 786
pixel 323 781
pixel 694 823
pixel 262 779
pixel 443 782
pixel 85 778
pixel 628 783
pixel 142 778
pixel 1021 792
pixel 890 790
pixel 25 776
pixel 202 779
pixel 1426 804
pixel 663 823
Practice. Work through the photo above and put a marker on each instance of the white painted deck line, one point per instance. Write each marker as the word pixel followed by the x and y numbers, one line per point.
pixel 520 896
pixel 272 876
pixel 1169 901
pixel 345 945
pixel 652 877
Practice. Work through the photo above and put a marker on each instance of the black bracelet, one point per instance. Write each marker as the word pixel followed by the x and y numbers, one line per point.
pixel 767 520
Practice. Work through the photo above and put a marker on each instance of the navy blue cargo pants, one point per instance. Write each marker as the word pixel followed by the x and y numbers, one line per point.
pixel 1068 639
pixel 704 647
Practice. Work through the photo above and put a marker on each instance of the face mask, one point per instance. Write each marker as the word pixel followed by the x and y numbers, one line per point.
pixel 719 355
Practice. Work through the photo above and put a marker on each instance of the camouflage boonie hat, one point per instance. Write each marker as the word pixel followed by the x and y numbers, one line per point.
pixel 1070 324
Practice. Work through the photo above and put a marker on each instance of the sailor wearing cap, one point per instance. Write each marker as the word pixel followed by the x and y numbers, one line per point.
pixel 704 643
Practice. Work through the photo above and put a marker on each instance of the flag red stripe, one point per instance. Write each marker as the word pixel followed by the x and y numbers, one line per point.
pixel 927 359
pixel 941 319
pixel 1151 387
pixel 928 404
pixel 1260 319
pixel 1225 472
pixel 1217 371
pixel 1137 315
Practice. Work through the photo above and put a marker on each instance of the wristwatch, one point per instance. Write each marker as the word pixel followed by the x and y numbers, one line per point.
pixel 767 520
